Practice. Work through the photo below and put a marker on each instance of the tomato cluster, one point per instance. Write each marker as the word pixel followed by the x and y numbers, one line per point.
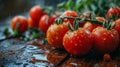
pixel 89 36
pixel 76 37
pixel 38 18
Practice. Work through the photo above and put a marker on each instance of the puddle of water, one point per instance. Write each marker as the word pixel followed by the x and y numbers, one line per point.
pixel 40 57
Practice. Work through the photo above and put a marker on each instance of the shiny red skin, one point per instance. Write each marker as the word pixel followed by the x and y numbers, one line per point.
pixel 45 22
pixel 105 41
pixel 55 34
pixel 52 19
pixel 69 13
pixel 113 12
pixel 89 26
pixel 36 12
pixel 22 23
pixel 32 23
pixel 117 27
pixel 77 42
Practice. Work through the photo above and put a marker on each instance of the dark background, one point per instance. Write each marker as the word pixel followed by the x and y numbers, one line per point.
pixel 14 7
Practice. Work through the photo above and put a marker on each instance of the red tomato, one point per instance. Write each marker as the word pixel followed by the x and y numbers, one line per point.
pixel 117 27
pixel 36 13
pixel 32 23
pixel 45 22
pixel 77 42
pixel 105 41
pixel 113 12
pixel 52 19
pixel 21 22
pixel 55 34
pixel 69 13
pixel 89 26
pixel 107 57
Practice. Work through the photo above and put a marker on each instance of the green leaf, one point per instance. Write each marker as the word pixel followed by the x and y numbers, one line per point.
pixel 45 41
pixel 6 31
pixel 61 5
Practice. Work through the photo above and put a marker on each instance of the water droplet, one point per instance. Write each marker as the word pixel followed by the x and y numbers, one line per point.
pixel 104 38
pixel 76 44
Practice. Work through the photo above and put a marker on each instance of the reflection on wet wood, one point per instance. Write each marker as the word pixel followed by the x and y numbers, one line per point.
pixel 15 52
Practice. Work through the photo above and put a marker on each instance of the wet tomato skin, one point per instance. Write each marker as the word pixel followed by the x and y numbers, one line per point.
pixel 43 23
pixel 55 34
pixel 89 26
pixel 105 41
pixel 77 42
pixel 69 13
pixel 22 23
pixel 117 27
pixel 46 21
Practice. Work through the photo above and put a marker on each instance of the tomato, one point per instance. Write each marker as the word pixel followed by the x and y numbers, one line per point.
pixel 19 22
pixel 32 23
pixel 52 19
pixel 69 13
pixel 36 12
pixel 113 12
pixel 55 34
pixel 77 42
pixel 105 41
pixel 117 27
pixel 45 22
pixel 107 57
pixel 89 26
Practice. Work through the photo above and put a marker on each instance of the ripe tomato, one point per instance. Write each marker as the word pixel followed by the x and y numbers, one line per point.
pixel 32 23
pixel 105 41
pixel 117 27
pixel 45 22
pixel 113 12
pixel 52 19
pixel 69 13
pixel 89 26
pixel 77 42
pixel 36 12
pixel 107 57
pixel 55 34
pixel 21 22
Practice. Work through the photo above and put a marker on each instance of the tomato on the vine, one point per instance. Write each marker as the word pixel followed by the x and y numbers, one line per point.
pixel 69 13
pixel 90 25
pixel 77 42
pixel 55 34
pixel 117 26
pixel 19 22
pixel 45 22
pixel 105 41
pixel 113 12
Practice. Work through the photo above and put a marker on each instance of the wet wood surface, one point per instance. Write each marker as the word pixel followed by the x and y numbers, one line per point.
pixel 19 53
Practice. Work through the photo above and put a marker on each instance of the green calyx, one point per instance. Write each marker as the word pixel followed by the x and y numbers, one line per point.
pixel 109 24
pixel 59 21
pixel 75 25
